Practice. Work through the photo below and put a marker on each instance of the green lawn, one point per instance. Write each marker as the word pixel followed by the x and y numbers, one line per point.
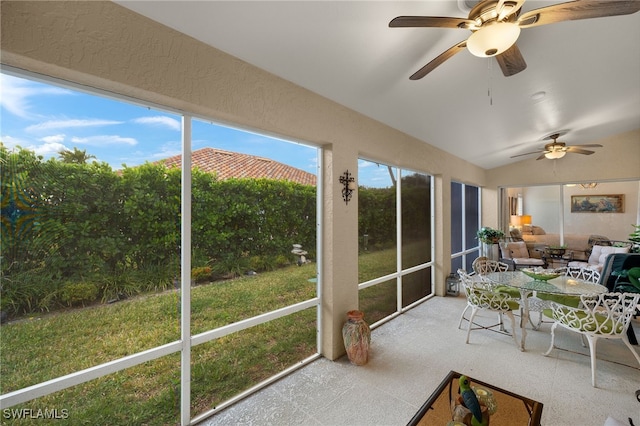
pixel 40 348
pixel 37 349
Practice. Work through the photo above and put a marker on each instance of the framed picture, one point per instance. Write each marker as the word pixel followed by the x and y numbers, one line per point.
pixel 597 203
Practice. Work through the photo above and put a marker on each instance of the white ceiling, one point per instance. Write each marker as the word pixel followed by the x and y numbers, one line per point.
pixel 345 51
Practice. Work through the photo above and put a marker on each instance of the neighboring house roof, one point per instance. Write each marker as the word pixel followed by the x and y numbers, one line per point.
pixel 227 164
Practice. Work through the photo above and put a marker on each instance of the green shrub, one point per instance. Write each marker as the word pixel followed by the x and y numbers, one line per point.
pixel 201 274
pixel 231 266
pixel 282 260
pixel 78 293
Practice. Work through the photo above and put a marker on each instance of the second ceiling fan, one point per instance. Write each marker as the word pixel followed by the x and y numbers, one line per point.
pixel 496 24
pixel 556 150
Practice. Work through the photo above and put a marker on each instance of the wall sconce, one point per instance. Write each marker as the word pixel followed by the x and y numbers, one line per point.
pixel 349 186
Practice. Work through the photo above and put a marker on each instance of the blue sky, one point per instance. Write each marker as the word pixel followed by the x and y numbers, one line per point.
pixel 47 119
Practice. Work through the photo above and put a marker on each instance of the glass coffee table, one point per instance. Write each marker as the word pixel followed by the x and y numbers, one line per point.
pixel 505 408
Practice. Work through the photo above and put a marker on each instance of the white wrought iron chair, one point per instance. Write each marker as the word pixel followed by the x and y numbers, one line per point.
pixel 482 266
pixel 482 294
pixel 586 274
pixel 541 302
pixel 605 315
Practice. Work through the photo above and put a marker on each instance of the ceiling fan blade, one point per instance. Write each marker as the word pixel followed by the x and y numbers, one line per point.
pixel 574 10
pixel 575 150
pixel 430 21
pixel 511 61
pixel 589 145
pixel 542 157
pixel 438 60
pixel 528 153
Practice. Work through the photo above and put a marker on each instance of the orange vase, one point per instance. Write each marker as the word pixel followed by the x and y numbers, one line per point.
pixel 357 338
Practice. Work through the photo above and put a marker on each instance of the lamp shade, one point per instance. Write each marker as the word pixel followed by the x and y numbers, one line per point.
pixel 493 39
pixel 516 220
pixel 526 219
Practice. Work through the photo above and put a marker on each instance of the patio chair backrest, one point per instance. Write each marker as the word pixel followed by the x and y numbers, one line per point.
pixel 483 265
pixel 605 314
pixel 585 274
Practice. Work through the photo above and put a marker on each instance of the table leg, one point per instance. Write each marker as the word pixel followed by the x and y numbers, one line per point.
pixel 524 317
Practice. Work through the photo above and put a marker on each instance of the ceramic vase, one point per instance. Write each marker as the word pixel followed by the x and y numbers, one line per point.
pixel 357 338
pixel 490 250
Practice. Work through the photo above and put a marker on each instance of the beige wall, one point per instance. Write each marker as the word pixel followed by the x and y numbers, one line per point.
pixel 105 46
pixel 542 202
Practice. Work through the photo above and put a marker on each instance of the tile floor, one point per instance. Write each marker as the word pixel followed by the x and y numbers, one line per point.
pixel 412 353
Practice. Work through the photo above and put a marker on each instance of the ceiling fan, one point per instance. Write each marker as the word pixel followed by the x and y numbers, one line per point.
pixel 496 24
pixel 556 150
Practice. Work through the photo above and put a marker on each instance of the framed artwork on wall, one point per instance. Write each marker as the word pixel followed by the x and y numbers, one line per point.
pixel 597 203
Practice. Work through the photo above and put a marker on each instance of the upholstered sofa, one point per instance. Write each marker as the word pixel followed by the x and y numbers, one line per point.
pixel 537 239
pixel 598 257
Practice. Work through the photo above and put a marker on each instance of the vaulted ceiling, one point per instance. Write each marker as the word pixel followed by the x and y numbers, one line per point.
pixel 589 70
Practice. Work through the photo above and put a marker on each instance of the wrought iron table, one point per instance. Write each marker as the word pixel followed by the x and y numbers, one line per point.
pixel 528 287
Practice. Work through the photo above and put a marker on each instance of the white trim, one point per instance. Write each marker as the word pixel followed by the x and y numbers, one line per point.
pixel 207 336
pixel 59 383
pixel 185 275
pixel 319 245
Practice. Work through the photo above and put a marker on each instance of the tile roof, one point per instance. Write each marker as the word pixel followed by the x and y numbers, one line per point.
pixel 227 164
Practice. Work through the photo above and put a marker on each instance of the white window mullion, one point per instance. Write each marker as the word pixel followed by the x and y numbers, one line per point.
pixel 185 275
pixel 399 239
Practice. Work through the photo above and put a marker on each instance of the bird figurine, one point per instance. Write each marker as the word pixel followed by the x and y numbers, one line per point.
pixel 471 402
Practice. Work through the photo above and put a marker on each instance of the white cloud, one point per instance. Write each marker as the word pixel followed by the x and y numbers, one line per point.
pixel 70 123
pixel 49 149
pixel 11 142
pixel 17 94
pixel 102 140
pixel 53 138
pixel 160 120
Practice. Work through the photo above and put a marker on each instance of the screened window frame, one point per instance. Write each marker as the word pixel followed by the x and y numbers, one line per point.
pixel 187 340
pixel 400 272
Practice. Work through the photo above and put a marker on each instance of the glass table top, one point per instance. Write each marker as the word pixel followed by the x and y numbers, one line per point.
pixel 506 409
pixel 560 285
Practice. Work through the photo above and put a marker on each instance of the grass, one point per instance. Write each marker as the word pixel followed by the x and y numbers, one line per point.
pixel 36 349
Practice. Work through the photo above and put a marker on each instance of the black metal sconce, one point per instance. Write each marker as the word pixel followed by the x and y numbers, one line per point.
pixel 349 186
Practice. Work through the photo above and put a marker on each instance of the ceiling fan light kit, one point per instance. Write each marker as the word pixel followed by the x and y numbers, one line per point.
pixel 556 150
pixel 554 155
pixel 493 39
pixel 496 24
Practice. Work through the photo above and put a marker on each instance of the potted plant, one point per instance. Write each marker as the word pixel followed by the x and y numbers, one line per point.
pixel 489 235
pixel 490 238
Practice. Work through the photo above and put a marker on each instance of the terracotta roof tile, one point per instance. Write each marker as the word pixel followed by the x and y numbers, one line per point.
pixel 227 164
